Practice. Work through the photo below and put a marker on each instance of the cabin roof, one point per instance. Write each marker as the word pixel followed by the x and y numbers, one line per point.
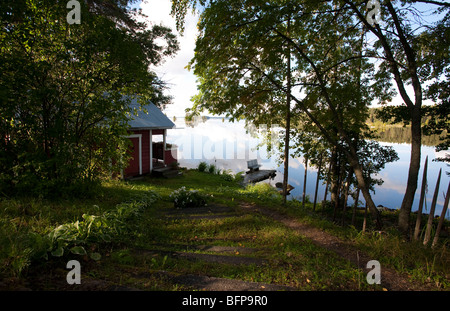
pixel 150 117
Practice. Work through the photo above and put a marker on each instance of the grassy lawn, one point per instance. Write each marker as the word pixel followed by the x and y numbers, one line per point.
pixel 130 244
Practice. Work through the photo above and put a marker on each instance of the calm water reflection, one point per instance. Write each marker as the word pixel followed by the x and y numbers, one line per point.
pixel 229 146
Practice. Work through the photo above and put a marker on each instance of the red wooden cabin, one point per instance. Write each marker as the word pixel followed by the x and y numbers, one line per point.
pixel 145 153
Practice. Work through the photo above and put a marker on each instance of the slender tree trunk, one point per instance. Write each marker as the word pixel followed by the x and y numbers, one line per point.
pixel 413 173
pixel 304 182
pixel 365 219
pixel 288 117
pixel 317 183
pixel 365 190
pixel 346 190
pixel 324 201
pixel 340 185
pixel 441 219
pixel 422 198
pixel 334 187
pixel 427 237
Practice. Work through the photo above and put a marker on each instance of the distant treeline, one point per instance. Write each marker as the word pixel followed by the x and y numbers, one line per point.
pixel 397 132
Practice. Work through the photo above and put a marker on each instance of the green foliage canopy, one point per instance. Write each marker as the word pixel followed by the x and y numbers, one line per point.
pixel 63 109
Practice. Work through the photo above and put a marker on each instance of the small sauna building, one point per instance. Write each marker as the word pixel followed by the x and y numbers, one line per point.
pixel 147 151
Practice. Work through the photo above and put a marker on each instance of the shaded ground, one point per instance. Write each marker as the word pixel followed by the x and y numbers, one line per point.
pixel 213 254
pixel 390 279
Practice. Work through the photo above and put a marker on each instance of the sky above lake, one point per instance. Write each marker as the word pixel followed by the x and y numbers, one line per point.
pixel 182 83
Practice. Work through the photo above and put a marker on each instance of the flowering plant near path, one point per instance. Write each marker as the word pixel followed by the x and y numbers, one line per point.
pixel 183 198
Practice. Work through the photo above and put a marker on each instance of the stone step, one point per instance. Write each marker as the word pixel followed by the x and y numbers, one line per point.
pixel 234 259
pixel 207 210
pixel 210 283
pixel 167 172
pixel 213 248
pixel 207 216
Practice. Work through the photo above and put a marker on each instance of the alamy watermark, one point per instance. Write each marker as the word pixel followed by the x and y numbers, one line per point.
pixel 374 275
pixel 74 275
pixel 74 15
pixel 374 14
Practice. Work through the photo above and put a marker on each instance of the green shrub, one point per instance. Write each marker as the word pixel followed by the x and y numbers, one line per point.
pixel 239 176
pixel 202 166
pixel 262 191
pixel 227 177
pixel 212 169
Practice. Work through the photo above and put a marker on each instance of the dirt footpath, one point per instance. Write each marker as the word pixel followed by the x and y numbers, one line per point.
pixel 390 279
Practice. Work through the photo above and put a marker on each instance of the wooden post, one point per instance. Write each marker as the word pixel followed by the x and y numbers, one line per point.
pixel 431 215
pixel 441 219
pixel 422 198
pixel 317 183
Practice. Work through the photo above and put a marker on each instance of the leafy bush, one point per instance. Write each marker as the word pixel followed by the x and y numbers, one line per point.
pixel 239 176
pixel 183 198
pixel 227 175
pixel 212 169
pixel 202 166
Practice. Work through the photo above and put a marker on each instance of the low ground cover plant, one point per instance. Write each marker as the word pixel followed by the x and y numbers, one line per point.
pixel 184 198
pixel 21 246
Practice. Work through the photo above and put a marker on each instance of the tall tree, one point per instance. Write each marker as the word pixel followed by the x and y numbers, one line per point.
pixel 288 112
pixel 396 47
pixel 63 108
pixel 244 75
pixel 323 39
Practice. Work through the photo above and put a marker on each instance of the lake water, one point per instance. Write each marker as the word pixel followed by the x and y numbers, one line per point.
pixel 229 146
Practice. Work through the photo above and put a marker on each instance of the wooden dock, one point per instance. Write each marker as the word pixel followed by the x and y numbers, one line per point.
pixel 259 175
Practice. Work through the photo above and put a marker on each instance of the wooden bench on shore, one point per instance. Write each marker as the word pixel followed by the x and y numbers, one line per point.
pixel 253 165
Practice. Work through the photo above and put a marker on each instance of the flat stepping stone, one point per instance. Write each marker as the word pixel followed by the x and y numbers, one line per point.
pixel 208 283
pixel 213 209
pixel 235 259
pixel 214 248
pixel 226 249
pixel 207 216
pixel 222 259
pixel 205 212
